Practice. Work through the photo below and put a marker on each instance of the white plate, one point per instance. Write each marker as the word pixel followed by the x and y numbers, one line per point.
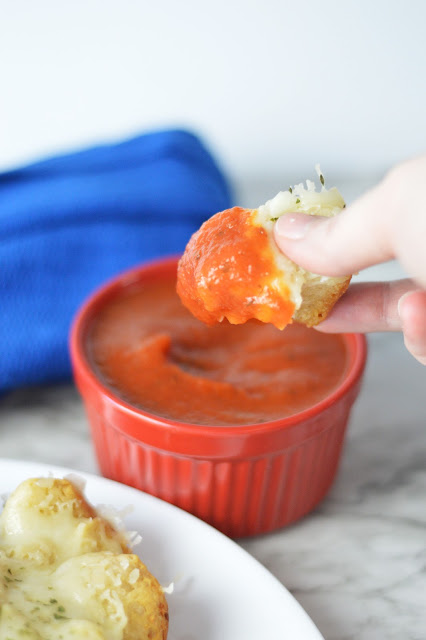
pixel 221 592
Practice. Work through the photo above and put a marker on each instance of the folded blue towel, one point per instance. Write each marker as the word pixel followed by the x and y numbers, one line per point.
pixel 70 222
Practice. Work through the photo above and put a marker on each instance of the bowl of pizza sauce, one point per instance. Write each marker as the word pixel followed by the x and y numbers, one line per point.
pixel 242 426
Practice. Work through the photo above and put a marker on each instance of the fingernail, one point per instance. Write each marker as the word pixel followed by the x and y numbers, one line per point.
pixel 293 226
pixel 401 301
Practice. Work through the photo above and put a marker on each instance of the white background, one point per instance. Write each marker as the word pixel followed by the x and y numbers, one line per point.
pixel 272 86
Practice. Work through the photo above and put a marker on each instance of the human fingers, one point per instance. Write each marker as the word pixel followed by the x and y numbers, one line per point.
pixel 368 307
pixel 412 311
pixel 354 239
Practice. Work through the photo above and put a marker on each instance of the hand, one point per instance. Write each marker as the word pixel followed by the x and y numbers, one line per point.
pixel 387 222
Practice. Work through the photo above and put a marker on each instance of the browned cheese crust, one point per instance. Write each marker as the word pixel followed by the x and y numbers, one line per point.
pixel 318 301
pixel 29 534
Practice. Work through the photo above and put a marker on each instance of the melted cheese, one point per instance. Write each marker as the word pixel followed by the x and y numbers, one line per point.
pixel 62 571
pixel 327 202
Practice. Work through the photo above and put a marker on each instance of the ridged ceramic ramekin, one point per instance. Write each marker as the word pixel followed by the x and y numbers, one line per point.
pixel 244 480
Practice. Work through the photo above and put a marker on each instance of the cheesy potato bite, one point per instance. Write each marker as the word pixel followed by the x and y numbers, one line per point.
pixel 233 269
pixel 65 572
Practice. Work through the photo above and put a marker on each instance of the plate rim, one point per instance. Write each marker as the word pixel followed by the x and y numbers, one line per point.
pixel 180 513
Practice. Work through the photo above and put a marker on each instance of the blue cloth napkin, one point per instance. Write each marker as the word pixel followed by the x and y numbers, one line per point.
pixel 70 222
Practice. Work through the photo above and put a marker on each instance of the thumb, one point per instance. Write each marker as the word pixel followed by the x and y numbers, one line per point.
pixel 354 239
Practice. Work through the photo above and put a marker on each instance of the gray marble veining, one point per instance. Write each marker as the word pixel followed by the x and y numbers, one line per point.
pixel 357 564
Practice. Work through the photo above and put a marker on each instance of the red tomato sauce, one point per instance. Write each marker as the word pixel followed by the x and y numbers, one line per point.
pixel 227 260
pixel 154 354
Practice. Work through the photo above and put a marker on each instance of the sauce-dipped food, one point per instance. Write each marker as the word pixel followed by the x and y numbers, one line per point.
pixel 233 269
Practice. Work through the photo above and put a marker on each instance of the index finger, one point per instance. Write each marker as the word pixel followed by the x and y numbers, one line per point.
pixel 358 237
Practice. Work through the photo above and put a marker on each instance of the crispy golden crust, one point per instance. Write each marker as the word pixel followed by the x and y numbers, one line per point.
pixel 40 505
pixel 145 606
pixel 129 580
pixel 318 300
pixel 47 525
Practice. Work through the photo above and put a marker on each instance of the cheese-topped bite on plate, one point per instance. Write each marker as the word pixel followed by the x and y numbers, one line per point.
pixel 233 269
pixel 67 573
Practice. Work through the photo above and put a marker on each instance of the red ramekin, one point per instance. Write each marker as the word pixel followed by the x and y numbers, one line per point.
pixel 244 480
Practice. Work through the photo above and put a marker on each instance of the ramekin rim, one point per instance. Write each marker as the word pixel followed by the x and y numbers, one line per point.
pixel 357 359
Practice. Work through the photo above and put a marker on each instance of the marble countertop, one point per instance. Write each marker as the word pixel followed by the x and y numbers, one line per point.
pixel 357 563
